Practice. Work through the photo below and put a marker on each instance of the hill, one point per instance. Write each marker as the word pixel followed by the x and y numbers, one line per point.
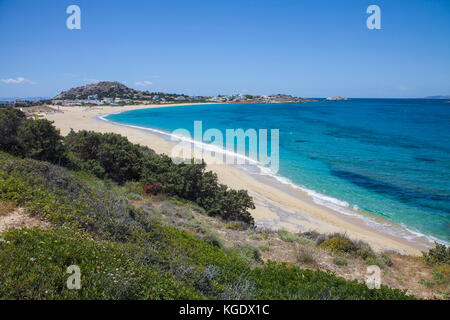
pixel 103 89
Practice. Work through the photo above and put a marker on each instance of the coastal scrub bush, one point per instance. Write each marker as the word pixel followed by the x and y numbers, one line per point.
pixel 363 250
pixel 376 260
pixel 304 255
pixel 40 140
pixel 233 205
pixel 338 245
pixel 341 244
pixel 438 276
pixel 306 241
pixel 285 281
pixel 340 261
pixel 62 198
pixel 440 254
pixel 212 238
pixel 247 252
pixel 107 270
pixel 287 236
pixel 386 259
pixel 234 225
pixel 106 155
pixel 10 121
pixel 36 139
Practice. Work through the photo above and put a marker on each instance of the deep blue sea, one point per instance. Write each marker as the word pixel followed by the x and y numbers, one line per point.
pixel 390 157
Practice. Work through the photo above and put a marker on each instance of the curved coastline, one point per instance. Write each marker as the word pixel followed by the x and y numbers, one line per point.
pixel 337 205
pixel 280 202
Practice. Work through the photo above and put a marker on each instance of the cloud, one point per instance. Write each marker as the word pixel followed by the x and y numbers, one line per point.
pixel 143 83
pixel 17 81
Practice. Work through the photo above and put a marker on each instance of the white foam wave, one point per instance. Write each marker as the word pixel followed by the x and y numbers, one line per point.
pixel 345 208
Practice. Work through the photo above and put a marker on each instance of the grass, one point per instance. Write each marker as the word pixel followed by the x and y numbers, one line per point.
pixel 287 236
pixel 340 261
pixel 304 255
pixel 235 225
pixel 213 238
pixel 247 252
pixel 6 207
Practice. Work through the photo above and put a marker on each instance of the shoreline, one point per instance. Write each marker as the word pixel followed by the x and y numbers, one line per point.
pixel 278 205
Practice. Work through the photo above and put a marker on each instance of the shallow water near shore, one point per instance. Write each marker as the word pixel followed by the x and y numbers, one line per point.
pixel 389 157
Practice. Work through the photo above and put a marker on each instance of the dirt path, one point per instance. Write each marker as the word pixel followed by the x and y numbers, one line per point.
pixel 16 218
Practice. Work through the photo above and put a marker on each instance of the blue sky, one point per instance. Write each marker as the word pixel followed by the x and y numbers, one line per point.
pixel 305 48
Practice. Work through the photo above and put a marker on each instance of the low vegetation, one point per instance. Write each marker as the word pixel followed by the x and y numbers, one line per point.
pixel 440 254
pixel 305 255
pixel 340 261
pixel 287 236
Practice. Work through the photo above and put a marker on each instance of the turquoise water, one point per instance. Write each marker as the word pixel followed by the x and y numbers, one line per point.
pixel 390 157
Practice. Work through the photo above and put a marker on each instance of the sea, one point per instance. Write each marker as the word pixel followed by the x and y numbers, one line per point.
pixel 387 157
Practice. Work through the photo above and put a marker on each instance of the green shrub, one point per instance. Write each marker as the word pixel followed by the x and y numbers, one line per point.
pixel 287 236
pixel 10 121
pixel 37 139
pixel 311 235
pixel 213 238
pixel 305 240
pixel 341 244
pixel 438 276
pixel 235 225
pixel 64 199
pixel 427 283
pixel 106 155
pixel 375 260
pixel 33 265
pixel 386 259
pixel 340 261
pixel 440 254
pixel 40 140
pixel 284 281
pixel 247 252
pixel 363 250
pixel 338 245
pixel 304 255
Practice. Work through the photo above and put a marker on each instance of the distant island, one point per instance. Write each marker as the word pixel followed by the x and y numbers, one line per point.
pixel 336 98
pixel 438 97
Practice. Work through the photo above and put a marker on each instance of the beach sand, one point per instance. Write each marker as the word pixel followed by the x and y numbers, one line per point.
pixel 277 205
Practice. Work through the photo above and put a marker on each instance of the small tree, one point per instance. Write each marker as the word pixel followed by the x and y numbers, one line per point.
pixel 10 121
pixel 440 254
pixel 40 140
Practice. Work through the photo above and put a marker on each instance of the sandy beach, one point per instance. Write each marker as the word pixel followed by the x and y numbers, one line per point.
pixel 277 205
